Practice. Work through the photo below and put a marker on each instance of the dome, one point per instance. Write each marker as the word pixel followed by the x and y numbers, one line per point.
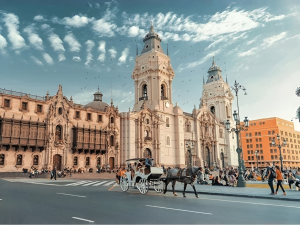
pixel 97 105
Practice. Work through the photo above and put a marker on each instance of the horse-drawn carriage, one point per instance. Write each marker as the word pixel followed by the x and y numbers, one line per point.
pixel 137 175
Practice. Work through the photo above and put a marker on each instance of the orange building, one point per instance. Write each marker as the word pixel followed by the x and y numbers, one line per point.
pixel 259 137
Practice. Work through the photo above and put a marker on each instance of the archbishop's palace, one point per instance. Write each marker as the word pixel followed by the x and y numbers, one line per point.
pixel 55 131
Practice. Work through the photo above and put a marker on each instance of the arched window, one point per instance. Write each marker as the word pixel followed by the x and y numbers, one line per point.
pixel 36 160
pixel 146 133
pixel 19 160
pixel 112 120
pixel 147 121
pixel 60 110
pixel 145 90
pixel 58 133
pixel 167 122
pixel 87 161
pixel 2 158
pixel 213 110
pixel 111 140
pixel 162 91
pixel 75 161
pixel 168 141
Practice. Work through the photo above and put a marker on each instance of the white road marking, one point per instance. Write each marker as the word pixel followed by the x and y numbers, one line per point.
pixel 99 183
pixel 72 195
pixel 77 183
pixel 41 183
pixel 109 183
pixel 90 183
pixel 0 199
pixel 253 203
pixel 77 218
pixel 116 184
pixel 178 209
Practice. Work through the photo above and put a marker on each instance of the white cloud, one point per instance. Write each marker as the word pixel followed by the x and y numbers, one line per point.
pixel 104 28
pixel 61 57
pixel 113 52
pixel 131 58
pixel 3 44
pixel 97 5
pixel 90 5
pixel 48 58
pixel 38 62
pixel 267 42
pixel 39 18
pixel 249 52
pixel 56 42
pixel 45 26
pixel 73 43
pixel 75 21
pixel 12 24
pixel 123 57
pixel 89 45
pixel 199 62
pixel 76 59
pixel 102 50
pixel 134 31
pixel 34 38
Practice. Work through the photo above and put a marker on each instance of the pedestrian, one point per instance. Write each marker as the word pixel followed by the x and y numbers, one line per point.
pixel 279 179
pixel 53 173
pixel 271 174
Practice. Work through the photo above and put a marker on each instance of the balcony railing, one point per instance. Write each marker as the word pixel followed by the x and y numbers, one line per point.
pixel 143 98
pixel 148 138
pixel 20 94
pixel 164 98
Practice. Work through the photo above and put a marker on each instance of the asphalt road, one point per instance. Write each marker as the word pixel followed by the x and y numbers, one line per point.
pixel 23 203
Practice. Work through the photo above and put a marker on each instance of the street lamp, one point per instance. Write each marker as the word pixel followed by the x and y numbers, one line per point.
pixel 279 146
pixel 238 128
pixel 257 154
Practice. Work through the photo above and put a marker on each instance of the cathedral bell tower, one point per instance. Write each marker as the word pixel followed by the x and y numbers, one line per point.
pixel 153 75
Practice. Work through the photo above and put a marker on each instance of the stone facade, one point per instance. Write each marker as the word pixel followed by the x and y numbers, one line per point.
pixel 53 131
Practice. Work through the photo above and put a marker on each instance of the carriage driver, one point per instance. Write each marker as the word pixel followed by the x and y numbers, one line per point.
pixel 148 162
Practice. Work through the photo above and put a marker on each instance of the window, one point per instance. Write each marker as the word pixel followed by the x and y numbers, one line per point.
pixel 255 133
pixel 99 118
pixel 259 134
pixel 252 157
pixel 262 157
pixel 6 103
pixel 145 90
pixel 112 120
pixel 167 122
pixel 212 109
pixel 250 140
pixel 250 135
pixel 147 121
pixel 272 156
pixel 251 151
pixel 260 145
pixel 75 161
pixel 19 160
pixel 256 139
pixel 269 132
pixel 247 141
pixel 248 157
pixel 271 150
pixel 24 105
pixel 246 134
pixel 292 151
pixel 77 115
pixel 87 161
pixel 251 146
pixel 162 91
pixel 270 144
pixel 2 159
pixel 58 133
pixel 39 108
pixel 248 152
pixel 275 150
pixel 261 151
pixel 259 139
pixel 247 146
pixel 168 141
pixel 60 110
pixel 36 160
pixel 88 116
pixel 284 156
pixel 112 140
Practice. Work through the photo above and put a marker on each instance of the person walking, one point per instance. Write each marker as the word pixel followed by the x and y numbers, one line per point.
pixel 53 173
pixel 271 174
pixel 279 179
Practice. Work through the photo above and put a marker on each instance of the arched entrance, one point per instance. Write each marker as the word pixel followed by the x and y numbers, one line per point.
pixel 222 159
pixel 57 162
pixel 112 162
pixel 207 157
pixel 147 152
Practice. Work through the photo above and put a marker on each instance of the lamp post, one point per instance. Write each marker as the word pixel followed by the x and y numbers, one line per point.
pixel 257 154
pixel 279 146
pixel 238 128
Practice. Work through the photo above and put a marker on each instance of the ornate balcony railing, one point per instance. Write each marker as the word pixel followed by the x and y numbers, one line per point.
pixel 143 98
pixel 148 138
pixel 164 98
pixel 20 94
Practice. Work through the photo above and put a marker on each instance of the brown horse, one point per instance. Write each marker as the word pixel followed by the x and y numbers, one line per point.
pixel 185 176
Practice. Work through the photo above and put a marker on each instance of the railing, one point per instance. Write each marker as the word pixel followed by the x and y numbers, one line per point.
pixel 20 94
pixel 143 98
pixel 164 98
pixel 148 138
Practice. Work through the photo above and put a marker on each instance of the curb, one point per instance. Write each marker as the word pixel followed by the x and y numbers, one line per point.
pixel 236 195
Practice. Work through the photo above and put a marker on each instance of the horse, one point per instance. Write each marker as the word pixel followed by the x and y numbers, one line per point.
pixel 186 176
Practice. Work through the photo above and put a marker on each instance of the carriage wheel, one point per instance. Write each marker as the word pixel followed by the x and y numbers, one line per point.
pixel 124 183
pixel 143 186
pixel 158 186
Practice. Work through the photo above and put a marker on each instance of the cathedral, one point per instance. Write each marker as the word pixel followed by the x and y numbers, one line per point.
pixel 53 131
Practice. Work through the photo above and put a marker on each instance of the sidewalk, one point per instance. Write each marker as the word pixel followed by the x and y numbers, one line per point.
pixel 248 192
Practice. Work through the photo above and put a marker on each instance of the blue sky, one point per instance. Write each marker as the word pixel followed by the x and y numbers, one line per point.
pixel 85 44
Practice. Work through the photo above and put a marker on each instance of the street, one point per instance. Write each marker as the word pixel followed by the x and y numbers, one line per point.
pixel 30 203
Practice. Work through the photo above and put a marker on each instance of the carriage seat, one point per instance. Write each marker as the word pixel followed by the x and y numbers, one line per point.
pixel 147 171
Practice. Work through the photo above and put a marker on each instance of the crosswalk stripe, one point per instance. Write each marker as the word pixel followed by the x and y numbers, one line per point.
pixel 99 183
pixel 77 183
pixel 90 183
pixel 116 184
pixel 109 183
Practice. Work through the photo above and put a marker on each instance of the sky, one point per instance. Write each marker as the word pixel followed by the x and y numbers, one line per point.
pixel 85 44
